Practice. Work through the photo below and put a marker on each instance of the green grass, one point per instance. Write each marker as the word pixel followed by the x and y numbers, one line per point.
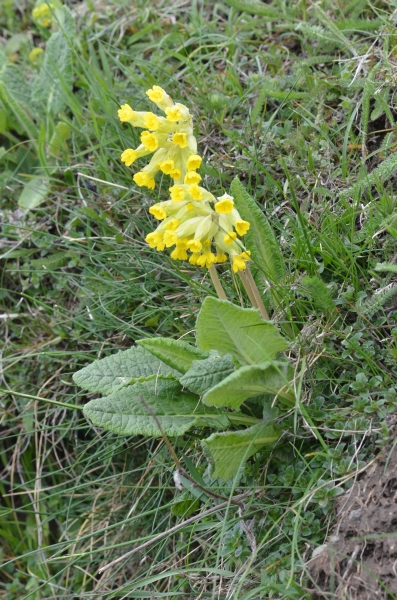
pixel 283 98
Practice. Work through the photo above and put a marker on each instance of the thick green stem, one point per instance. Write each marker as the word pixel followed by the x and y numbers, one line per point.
pixel 217 284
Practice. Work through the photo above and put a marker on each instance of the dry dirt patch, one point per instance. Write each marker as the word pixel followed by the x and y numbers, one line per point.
pixel 360 560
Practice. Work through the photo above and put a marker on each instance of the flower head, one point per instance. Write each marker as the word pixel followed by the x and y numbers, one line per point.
pixel 172 133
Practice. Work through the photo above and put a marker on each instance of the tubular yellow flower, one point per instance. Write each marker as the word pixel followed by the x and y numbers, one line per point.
pixel 157 95
pixel 193 162
pixel 155 240
pixel 177 112
pixel 128 157
pixel 125 113
pixel 34 54
pixel 167 166
pixel 192 177
pixel 230 237
pixel 195 191
pixel 224 206
pixel 177 193
pixel 240 261
pixel 176 174
pixel 158 212
pixel 206 260
pixel 194 245
pixel 144 180
pixel 151 121
pixel 180 139
pixel 149 140
pixel 242 227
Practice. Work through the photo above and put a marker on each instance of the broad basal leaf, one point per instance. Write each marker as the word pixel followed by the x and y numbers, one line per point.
pixel 251 381
pixel 34 193
pixel 227 451
pixel 125 412
pixel 204 374
pixel 260 239
pixel 121 369
pixel 239 331
pixel 175 353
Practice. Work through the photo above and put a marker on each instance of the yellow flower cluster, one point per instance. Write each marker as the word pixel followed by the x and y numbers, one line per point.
pixel 42 14
pixel 192 220
pixel 170 138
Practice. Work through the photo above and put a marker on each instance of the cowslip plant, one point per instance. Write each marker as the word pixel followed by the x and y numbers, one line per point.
pixel 197 387
pixel 165 387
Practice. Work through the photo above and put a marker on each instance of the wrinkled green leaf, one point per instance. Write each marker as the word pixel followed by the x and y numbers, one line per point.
pixel 260 239
pixel 204 374
pixel 227 451
pixel 124 412
pixel 250 381
pixel 186 507
pixel 118 370
pixel 175 353
pixel 34 193
pixel 239 331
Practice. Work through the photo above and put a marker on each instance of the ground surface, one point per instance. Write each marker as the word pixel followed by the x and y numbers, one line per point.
pixel 360 559
pixel 298 100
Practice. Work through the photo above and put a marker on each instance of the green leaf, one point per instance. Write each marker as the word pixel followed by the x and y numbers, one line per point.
pixel 185 508
pixel 58 138
pixel 34 193
pixel 15 93
pixel 256 8
pixel 260 239
pixel 204 374
pixel 175 353
pixel 239 331
pixel 227 451
pixel 124 412
pixel 248 382
pixel 118 370
pixel 49 91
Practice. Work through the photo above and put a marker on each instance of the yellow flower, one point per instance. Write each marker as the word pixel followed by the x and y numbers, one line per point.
pixel 149 140
pixel 180 250
pixel 242 227
pixel 177 193
pixel 176 173
pixel 194 245
pixel 158 212
pixel 151 121
pixel 224 206
pixel 144 180
pixel 192 177
pixel 195 191
pixel 206 260
pixel 221 257
pixel 125 113
pixel 167 166
pixel 180 139
pixel 177 112
pixel 128 157
pixel 230 237
pixel 240 260
pixel 170 238
pixel 155 240
pixel 157 95
pixel 193 162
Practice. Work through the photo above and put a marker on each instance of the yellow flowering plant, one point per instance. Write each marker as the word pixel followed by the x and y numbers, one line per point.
pixel 168 387
pixel 201 228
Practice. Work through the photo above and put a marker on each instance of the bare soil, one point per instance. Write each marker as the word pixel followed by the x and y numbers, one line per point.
pixel 359 562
